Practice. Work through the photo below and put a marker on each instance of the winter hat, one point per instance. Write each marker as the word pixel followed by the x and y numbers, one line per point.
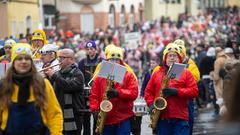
pixel 91 44
pixel 39 35
pixel 9 43
pixel 20 49
pixel 116 53
pixel 181 45
pixel 171 47
pixel 49 48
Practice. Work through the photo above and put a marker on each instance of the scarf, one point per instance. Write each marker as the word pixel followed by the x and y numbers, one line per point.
pixel 23 81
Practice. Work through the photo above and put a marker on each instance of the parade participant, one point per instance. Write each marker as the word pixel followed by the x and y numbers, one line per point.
pixel 49 57
pixel 206 67
pixel 38 40
pixel 107 50
pixel 87 66
pixel 120 95
pixel 68 83
pixel 28 105
pixel 192 67
pixel 7 49
pixel 174 118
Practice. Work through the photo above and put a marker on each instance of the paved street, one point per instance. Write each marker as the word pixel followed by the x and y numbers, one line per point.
pixel 205 124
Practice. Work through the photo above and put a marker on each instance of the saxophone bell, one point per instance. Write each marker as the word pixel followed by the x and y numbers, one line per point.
pixel 106 106
pixel 160 103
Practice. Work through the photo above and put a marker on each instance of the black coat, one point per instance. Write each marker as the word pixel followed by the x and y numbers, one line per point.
pixel 70 81
pixel 206 65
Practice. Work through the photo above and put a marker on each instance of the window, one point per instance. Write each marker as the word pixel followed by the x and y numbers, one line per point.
pixel 171 1
pixel 29 23
pixel 21 27
pixel 13 28
pixel 111 16
pixel 131 16
pixel 111 20
pixel 49 21
pixel 122 15
pixel 122 19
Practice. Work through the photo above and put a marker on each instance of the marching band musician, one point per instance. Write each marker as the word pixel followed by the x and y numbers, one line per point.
pixel 28 105
pixel 49 57
pixel 38 40
pixel 121 96
pixel 173 119
pixel 88 66
pixel 68 83
pixel 7 49
pixel 107 50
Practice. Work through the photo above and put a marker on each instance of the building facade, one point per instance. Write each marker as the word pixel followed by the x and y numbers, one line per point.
pixel 87 15
pixel 158 8
pixel 172 8
pixel 18 17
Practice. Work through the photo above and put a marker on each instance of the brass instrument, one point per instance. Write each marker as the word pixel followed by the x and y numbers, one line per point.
pixel 159 103
pixel 105 106
pixel 49 67
pixel 35 52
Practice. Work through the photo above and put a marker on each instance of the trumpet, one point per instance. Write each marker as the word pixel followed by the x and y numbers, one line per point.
pixel 49 67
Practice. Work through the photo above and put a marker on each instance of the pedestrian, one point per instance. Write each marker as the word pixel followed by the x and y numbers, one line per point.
pixel 206 68
pixel 68 83
pixel 231 94
pixel 174 118
pixel 121 96
pixel 88 66
pixel 28 105
pixel 7 49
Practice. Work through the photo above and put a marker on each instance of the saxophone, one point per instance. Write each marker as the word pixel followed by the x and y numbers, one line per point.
pixel 105 106
pixel 159 103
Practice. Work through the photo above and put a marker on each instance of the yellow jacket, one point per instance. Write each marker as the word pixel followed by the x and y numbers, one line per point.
pixel 192 67
pixel 52 117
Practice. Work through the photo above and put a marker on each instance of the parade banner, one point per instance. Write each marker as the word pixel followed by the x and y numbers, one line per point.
pixel 131 40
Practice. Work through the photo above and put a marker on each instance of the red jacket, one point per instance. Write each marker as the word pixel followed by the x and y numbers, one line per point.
pixel 177 106
pixel 122 105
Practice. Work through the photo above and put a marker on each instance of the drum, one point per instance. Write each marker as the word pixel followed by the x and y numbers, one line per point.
pixel 86 93
pixel 140 107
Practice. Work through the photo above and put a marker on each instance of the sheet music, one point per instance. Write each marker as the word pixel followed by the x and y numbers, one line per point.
pixel 176 70
pixel 115 70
